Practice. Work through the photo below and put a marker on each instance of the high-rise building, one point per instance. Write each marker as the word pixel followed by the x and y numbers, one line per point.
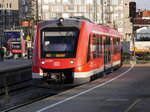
pixel 68 8
pixel 109 12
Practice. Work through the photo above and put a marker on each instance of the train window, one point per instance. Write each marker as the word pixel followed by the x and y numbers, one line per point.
pixel 16 45
pixel 94 46
pixel 107 49
pixel 59 42
pixel 97 46
pixel 100 46
pixel 116 45
pixel 89 51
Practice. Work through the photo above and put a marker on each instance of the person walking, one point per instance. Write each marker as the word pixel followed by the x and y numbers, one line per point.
pixel 2 54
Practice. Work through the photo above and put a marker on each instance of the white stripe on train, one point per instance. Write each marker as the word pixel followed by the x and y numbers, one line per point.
pixel 81 74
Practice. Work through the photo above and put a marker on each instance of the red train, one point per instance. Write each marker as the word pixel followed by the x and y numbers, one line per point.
pixel 15 43
pixel 74 50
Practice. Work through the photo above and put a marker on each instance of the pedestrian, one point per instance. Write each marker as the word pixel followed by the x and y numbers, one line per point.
pixel 2 54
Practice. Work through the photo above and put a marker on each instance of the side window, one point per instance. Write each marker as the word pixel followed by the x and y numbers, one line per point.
pixel 97 46
pixel 116 45
pixel 107 49
pixel 89 50
pixel 100 46
pixel 94 46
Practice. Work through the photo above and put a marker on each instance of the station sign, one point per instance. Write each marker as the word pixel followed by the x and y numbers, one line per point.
pixel 9 35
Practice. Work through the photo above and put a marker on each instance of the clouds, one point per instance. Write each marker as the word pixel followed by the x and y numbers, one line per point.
pixel 143 4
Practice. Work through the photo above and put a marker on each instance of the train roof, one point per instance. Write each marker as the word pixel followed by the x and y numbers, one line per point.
pixel 101 29
pixel 77 19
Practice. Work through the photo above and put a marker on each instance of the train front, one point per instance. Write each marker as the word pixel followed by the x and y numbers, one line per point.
pixel 55 50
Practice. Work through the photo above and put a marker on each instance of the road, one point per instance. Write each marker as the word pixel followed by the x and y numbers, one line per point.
pixel 125 90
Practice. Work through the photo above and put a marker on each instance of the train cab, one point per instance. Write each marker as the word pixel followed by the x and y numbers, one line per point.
pixel 72 50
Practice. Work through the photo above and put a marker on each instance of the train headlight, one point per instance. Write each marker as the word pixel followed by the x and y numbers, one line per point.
pixel 43 62
pixel 71 62
pixel 60 22
pixel 61 19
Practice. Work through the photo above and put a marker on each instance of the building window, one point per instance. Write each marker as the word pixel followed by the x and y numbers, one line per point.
pixel 115 2
pixel 57 8
pixel 88 1
pixel 82 8
pixel 45 7
pixel 10 5
pixel 65 1
pixel 71 1
pixel 7 5
pixel 78 1
pixel 72 8
pixel 49 1
pixel 52 15
pixel 58 1
pixel 98 2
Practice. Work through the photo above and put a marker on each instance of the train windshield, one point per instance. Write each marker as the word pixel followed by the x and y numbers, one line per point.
pixel 16 46
pixel 59 42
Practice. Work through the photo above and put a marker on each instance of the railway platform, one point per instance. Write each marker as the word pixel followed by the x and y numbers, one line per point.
pixel 14 72
pixel 12 63
pixel 125 90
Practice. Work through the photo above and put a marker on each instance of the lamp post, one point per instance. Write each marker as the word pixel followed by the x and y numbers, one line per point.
pixel 102 13
pixel 3 21
pixel 95 10
pixel 37 11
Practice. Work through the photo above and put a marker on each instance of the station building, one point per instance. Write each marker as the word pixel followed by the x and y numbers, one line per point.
pixel 9 15
pixel 114 13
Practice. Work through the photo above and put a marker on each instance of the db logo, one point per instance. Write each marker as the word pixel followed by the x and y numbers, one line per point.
pixel 56 63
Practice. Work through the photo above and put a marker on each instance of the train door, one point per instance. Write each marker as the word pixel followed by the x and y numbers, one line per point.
pixel 92 51
pixel 107 53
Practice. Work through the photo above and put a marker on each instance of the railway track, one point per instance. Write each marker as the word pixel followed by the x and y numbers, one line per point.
pixel 28 95
pixel 32 93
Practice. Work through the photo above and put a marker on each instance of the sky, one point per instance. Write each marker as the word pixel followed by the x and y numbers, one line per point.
pixel 142 4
